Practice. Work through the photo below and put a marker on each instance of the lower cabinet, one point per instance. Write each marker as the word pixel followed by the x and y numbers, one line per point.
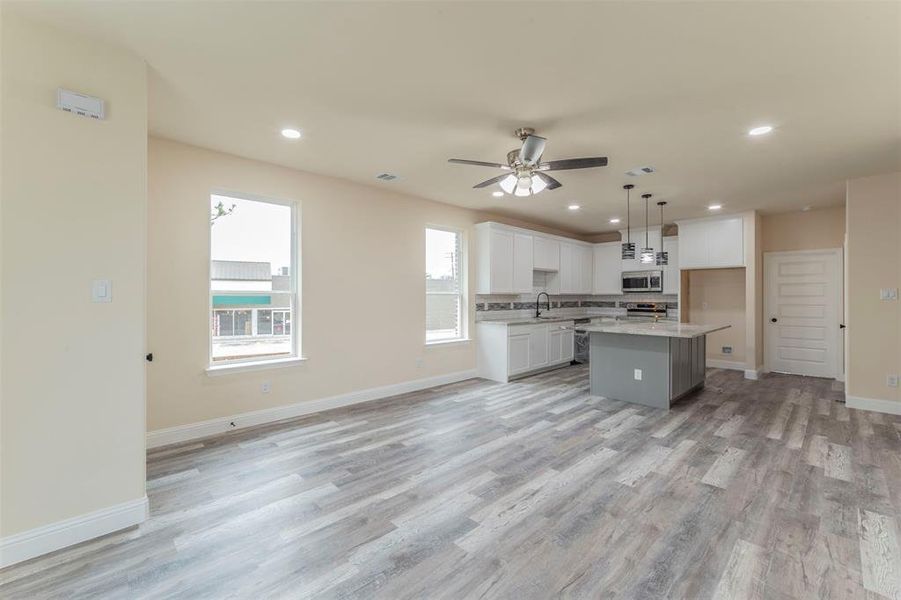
pixel 508 351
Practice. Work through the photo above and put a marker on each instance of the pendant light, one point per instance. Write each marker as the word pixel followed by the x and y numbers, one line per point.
pixel 662 255
pixel 647 253
pixel 628 245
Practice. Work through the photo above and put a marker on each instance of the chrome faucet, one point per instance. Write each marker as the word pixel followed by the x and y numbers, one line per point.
pixel 538 303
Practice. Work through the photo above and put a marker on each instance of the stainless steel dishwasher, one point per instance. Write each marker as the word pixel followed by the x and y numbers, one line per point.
pixel 580 337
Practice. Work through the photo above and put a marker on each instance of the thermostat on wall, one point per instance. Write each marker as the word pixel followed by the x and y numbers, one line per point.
pixel 73 102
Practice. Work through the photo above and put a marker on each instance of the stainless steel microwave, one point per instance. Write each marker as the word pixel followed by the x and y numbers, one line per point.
pixel 642 281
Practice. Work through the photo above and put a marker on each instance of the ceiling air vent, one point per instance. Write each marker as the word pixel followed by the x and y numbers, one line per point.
pixel 386 177
pixel 638 171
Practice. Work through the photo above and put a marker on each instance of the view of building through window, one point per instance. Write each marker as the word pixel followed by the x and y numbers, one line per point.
pixel 444 285
pixel 252 286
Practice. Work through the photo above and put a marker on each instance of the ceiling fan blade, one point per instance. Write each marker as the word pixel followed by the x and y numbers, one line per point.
pixel 491 181
pixel 552 184
pixel 532 149
pixel 478 163
pixel 574 163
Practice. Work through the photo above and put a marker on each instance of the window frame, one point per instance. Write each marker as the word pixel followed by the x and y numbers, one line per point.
pixel 464 286
pixel 241 364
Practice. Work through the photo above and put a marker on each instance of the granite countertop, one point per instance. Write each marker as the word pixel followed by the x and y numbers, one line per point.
pixel 661 329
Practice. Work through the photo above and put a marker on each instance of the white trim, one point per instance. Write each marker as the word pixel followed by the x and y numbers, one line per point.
pixel 891 407
pixel 453 342
pixel 193 431
pixel 752 374
pixel 257 365
pixel 55 536
pixel 732 365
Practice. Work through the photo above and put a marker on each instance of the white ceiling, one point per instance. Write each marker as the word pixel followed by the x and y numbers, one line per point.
pixel 401 87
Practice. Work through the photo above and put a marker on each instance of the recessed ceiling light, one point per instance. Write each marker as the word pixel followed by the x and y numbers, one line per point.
pixel 762 130
pixel 715 207
pixel 806 208
pixel 497 194
pixel 614 221
pixel 573 207
pixel 291 134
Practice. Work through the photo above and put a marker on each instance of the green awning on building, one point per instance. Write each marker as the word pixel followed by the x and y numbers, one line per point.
pixel 229 300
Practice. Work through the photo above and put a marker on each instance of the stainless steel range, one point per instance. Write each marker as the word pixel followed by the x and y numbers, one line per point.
pixel 646 310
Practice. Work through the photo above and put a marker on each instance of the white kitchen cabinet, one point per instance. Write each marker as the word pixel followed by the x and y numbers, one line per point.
pixel 671 275
pixel 538 346
pixel 711 243
pixel 607 277
pixel 504 260
pixel 522 263
pixel 519 348
pixel 566 277
pixel 547 254
pixel 586 264
pixel 575 275
pixel 507 351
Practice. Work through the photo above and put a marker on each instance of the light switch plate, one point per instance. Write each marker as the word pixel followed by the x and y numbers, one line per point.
pixel 101 290
pixel 888 294
pixel 637 374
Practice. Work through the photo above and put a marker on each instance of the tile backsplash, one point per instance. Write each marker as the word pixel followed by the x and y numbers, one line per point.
pixel 511 306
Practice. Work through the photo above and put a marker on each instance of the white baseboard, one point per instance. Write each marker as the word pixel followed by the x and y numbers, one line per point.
pixel 35 542
pixel 732 365
pixel 753 374
pixel 891 407
pixel 193 431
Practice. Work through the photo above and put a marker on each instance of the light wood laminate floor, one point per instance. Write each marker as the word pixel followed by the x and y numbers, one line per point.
pixel 770 489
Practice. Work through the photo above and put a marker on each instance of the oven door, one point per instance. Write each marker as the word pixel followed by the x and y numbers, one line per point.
pixel 635 282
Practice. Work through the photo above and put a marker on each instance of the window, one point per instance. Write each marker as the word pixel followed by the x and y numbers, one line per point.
pixel 444 285
pixel 253 292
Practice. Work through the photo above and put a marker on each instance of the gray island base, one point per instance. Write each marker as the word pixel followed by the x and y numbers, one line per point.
pixel 653 364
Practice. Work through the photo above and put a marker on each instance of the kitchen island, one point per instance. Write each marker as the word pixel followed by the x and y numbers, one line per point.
pixel 653 364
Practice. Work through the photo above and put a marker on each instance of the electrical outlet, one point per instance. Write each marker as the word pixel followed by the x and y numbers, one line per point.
pixel 420 362
pixel 637 374
pixel 891 380
pixel 727 349
pixel 266 387
pixel 888 294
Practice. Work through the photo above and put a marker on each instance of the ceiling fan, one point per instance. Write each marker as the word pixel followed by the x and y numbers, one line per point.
pixel 525 174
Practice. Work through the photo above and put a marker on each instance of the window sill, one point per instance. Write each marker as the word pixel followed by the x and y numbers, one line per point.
pixel 442 343
pixel 243 367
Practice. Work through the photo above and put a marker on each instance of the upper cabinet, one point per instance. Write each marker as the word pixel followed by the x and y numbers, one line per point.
pixel 547 253
pixel 504 260
pixel 608 268
pixel 711 243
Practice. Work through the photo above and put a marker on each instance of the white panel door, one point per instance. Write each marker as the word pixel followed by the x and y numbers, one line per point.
pixel 522 263
pixel 801 312
pixel 538 346
pixel 500 269
pixel 518 346
pixel 608 269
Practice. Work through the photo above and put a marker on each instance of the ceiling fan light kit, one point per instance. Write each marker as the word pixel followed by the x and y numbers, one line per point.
pixel 525 174
pixel 628 245
pixel 647 253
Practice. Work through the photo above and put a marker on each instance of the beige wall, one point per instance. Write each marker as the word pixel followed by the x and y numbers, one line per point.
pixel 718 297
pixel 74 202
pixel 873 262
pixel 804 230
pixel 363 291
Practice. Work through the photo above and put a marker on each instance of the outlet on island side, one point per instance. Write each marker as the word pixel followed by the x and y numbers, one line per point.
pixel 266 387
pixel 891 380
pixel 727 349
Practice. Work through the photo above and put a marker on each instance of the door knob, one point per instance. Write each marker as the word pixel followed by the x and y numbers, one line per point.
pixel 774 319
